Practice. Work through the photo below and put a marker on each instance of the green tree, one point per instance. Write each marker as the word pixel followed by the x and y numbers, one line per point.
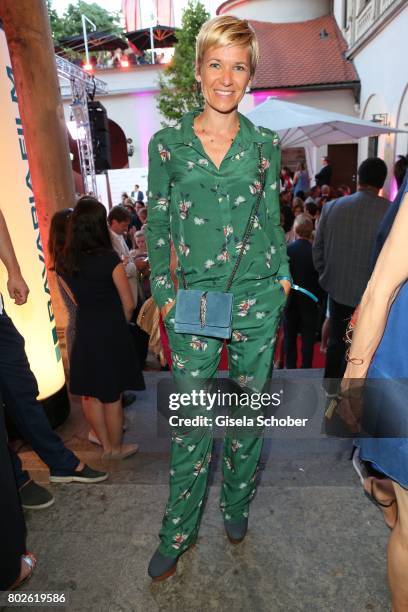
pixel 70 24
pixel 178 90
pixel 55 21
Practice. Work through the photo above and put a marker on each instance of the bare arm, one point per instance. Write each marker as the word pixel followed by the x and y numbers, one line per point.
pixel 16 285
pixel 125 293
pixel 390 272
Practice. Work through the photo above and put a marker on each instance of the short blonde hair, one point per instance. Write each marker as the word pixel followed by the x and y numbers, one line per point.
pixel 227 30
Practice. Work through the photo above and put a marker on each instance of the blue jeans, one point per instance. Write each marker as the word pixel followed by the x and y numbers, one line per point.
pixel 19 389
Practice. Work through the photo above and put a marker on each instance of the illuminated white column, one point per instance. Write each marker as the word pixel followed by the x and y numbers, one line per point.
pixel 35 320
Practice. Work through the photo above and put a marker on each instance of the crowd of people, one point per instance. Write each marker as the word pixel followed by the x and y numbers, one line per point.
pixel 323 231
pixel 118 58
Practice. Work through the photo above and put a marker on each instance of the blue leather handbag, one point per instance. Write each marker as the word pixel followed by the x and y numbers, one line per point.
pixel 209 313
pixel 204 313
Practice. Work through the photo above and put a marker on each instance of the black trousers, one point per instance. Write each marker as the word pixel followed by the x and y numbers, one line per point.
pixel 140 338
pixel 340 315
pixel 300 317
pixel 19 389
pixel 12 525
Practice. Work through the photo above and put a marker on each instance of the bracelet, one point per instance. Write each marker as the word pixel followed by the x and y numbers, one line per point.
pixel 354 360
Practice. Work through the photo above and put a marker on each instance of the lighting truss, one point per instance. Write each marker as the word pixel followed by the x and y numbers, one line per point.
pixel 82 85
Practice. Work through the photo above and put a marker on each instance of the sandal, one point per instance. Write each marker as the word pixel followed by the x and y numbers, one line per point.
pixel 379 504
pixel 31 561
pixel 127 450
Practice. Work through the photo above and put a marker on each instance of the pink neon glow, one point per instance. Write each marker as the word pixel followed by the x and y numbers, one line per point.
pixel 393 189
pixel 280 94
pixel 145 122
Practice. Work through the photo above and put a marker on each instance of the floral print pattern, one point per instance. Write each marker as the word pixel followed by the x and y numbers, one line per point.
pixel 206 217
pixel 182 179
pixel 251 357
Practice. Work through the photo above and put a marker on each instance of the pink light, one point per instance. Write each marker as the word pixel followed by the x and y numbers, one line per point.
pixel 124 63
pixel 281 94
pixel 393 189
pixel 145 123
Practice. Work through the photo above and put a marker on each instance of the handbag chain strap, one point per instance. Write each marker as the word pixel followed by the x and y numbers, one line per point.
pixel 248 228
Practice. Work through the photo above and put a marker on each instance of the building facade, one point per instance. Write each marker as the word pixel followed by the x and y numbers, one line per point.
pixel 376 34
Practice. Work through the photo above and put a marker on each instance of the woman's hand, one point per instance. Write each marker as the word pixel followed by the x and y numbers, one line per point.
pixel 166 309
pixel 286 286
pixel 351 403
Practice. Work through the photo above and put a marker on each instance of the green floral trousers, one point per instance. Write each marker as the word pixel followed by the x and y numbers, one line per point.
pixel 256 314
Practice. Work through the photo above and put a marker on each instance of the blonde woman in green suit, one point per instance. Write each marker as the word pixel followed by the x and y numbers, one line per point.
pixel 204 178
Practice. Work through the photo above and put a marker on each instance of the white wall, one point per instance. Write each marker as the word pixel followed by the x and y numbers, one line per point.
pixel 338 12
pixel 381 66
pixel 137 115
pixel 138 78
pixel 277 11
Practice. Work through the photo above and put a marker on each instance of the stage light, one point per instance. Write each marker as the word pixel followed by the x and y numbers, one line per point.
pixel 78 112
pixel 35 320
pixel 124 63
pixel 76 132
pixel 88 67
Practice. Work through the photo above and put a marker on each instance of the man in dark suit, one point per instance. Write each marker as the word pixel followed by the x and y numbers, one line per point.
pixel 136 194
pixel 301 311
pixel 342 253
pixel 324 176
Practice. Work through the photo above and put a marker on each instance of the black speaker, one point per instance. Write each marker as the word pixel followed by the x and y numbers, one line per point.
pixel 98 120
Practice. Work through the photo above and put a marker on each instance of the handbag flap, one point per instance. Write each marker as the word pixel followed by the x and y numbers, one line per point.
pixel 219 307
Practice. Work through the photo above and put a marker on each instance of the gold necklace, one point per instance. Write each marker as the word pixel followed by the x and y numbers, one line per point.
pixel 204 131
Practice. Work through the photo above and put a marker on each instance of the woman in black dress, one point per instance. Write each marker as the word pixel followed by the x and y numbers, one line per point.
pixel 103 361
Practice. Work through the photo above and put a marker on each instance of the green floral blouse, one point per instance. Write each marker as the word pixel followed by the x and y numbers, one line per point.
pixel 204 210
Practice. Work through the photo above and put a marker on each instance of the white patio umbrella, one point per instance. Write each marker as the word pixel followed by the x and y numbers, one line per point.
pixel 305 126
